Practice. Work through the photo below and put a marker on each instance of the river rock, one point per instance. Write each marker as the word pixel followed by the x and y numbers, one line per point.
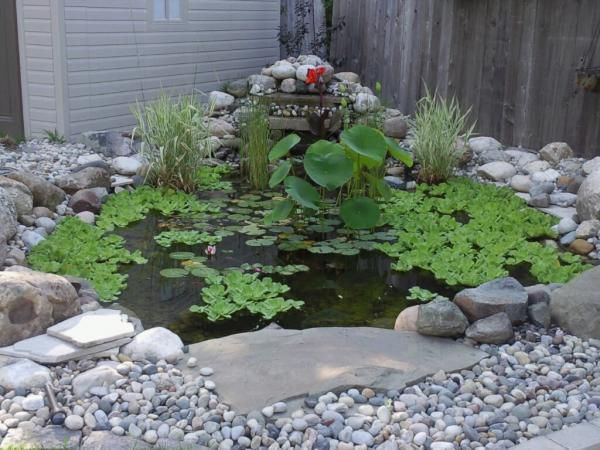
pixel 539 315
pixel 350 77
pixel 265 82
pixel 145 346
pixel 238 88
pixel 220 128
pixel 566 225
pixel 366 103
pixel 288 86
pixel 395 127
pixel 282 70
pixel 90 177
pixel 407 319
pixel 44 193
pixel 126 165
pixel 501 295
pixel 591 166
pixel 521 183
pixel 495 329
pixel 22 374
pixel 85 200
pixel 20 195
pixel 555 152
pixel 32 301
pixel 441 317
pixel 581 246
pixel 497 171
pixel 576 306
pixel 587 229
pixel 588 198
pixel 483 143
pixel 220 100
pixel 31 238
pixel 98 376
pixel 8 216
pixel 302 71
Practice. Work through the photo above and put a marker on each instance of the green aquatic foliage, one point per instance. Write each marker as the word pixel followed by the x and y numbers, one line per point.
pixel 420 294
pixel 286 270
pixel 467 233
pixel 211 178
pixel 235 291
pixel 255 133
pixel 186 237
pixel 82 250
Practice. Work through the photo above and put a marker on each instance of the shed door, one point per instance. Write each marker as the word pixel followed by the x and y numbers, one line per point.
pixel 11 111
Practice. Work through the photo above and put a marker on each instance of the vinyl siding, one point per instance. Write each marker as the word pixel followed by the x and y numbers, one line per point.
pixel 37 66
pixel 117 55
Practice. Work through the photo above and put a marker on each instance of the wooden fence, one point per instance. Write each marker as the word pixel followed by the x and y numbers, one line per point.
pixel 302 26
pixel 513 61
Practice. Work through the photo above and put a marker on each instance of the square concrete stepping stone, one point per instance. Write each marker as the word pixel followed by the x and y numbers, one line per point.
pixel 93 328
pixel 51 350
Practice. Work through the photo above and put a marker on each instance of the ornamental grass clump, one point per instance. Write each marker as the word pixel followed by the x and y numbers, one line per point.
pixel 175 139
pixel 436 129
pixel 256 142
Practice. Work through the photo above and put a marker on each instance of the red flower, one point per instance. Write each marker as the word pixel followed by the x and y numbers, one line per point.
pixel 313 76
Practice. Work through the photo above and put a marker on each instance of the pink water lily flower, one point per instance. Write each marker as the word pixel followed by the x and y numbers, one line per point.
pixel 211 250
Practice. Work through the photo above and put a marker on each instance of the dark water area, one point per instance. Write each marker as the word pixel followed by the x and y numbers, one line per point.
pixel 338 290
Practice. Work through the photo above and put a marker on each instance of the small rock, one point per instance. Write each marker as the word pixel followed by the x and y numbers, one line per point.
pixel 497 171
pixel 495 329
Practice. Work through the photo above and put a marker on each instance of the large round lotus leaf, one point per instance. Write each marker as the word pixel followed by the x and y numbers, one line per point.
pixel 327 165
pixel 366 143
pixel 282 148
pixel 302 192
pixel 280 173
pixel 360 213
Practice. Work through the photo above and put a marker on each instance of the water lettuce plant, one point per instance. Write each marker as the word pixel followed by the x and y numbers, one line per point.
pixel 82 250
pixel 211 178
pixel 420 294
pixel 467 233
pixel 353 168
pixel 187 237
pixel 235 291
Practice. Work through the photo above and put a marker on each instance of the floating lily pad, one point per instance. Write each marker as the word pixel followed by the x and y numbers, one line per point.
pixel 204 272
pixel 173 273
pixel 260 242
pixel 320 228
pixel 182 255
pixel 321 249
pixel 348 251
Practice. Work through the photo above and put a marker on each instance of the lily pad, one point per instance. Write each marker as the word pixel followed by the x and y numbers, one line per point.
pixel 302 192
pixel 360 213
pixel 181 255
pixel 327 165
pixel 321 249
pixel 173 273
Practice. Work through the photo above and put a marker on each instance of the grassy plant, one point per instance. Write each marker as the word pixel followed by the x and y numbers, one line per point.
pixel 256 143
pixel 54 137
pixel 435 130
pixel 175 139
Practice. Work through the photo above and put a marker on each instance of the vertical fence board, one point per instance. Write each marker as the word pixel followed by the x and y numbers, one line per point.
pixel 512 61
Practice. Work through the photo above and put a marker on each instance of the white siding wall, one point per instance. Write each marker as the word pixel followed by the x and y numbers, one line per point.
pixel 37 58
pixel 116 54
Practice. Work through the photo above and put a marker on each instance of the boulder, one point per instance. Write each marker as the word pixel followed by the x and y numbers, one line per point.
pixel 495 329
pixel 521 183
pixel 482 143
pixel 576 306
pixel 98 376
pixel 20 195
pixel 85 200
pixel 220 128
pixel 441 317
pixel 588 198
pixel 302 71
pixel 545 176
pixel 489 156
pixel 501 295
pixel 52 436
pixel 497 171
pixel 8 216
pixel 44 193
pixel 407 319
pixel 220 100
pixel 536 166
pixel 350 77
pixel 288 86
pixel 312 60
pixel 264 81
pixel 538 293
pixel 541 188
pixel 31 301
pixel 555 152
pixel 566 225
pixel 539 314
pixel 563 199
pixel 587 229
pixel 86 217
pixel 90 177
pixel 282 70
pixel 592 165
pixel 581 246
pixel 126 165
pixel 366 103
pixel 23 374
pixel 31 238
pixel 395 127
pixel 109 143
pixel 154 344
pixel 238 88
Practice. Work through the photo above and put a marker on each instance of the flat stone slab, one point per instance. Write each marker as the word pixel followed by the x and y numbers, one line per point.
pixel 93 328
pixel 51 437
pixel 257 369
pixel 584 436
pixel 50 350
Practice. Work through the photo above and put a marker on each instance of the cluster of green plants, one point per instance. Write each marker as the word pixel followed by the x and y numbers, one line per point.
pixel 351 170
pixel 436 130
pixel 54 137
pixel 186 237
pixel 289 269
pixel 255 133
pixel 211 178
pixel 420 294
pixel 175 139
pixel 467 233
pixel 127 207
pixel 82 250
pixel 234 291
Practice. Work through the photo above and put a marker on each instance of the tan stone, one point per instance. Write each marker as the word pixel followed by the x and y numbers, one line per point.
pixel 407 319
pixel 581 247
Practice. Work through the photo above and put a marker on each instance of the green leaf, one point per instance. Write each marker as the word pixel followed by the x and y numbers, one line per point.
pixel 383 189
pixel 280 173
pixel 398 152
pixel 360 213
pixel 181 255
pixel 365 143
pixel 281 211
pixel 302 192
pixel 327 165
pixel 173 273
pixel 282 147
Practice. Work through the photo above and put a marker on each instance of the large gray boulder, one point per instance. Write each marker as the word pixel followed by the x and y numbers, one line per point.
pixel 98 376
pixel 31 301
pixel 155 344
pixel 441 317
pixel 588 198
pixel 495 329
pixel 576 306
pixel 22 374
pixel 555 152
pixel 90 177
pixel 8 216
pixel 501 295
pixel 44 193
pixel 20 194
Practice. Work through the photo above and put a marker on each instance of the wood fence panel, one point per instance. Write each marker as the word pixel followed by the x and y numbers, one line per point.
pixel 306 15
pixel 512 61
